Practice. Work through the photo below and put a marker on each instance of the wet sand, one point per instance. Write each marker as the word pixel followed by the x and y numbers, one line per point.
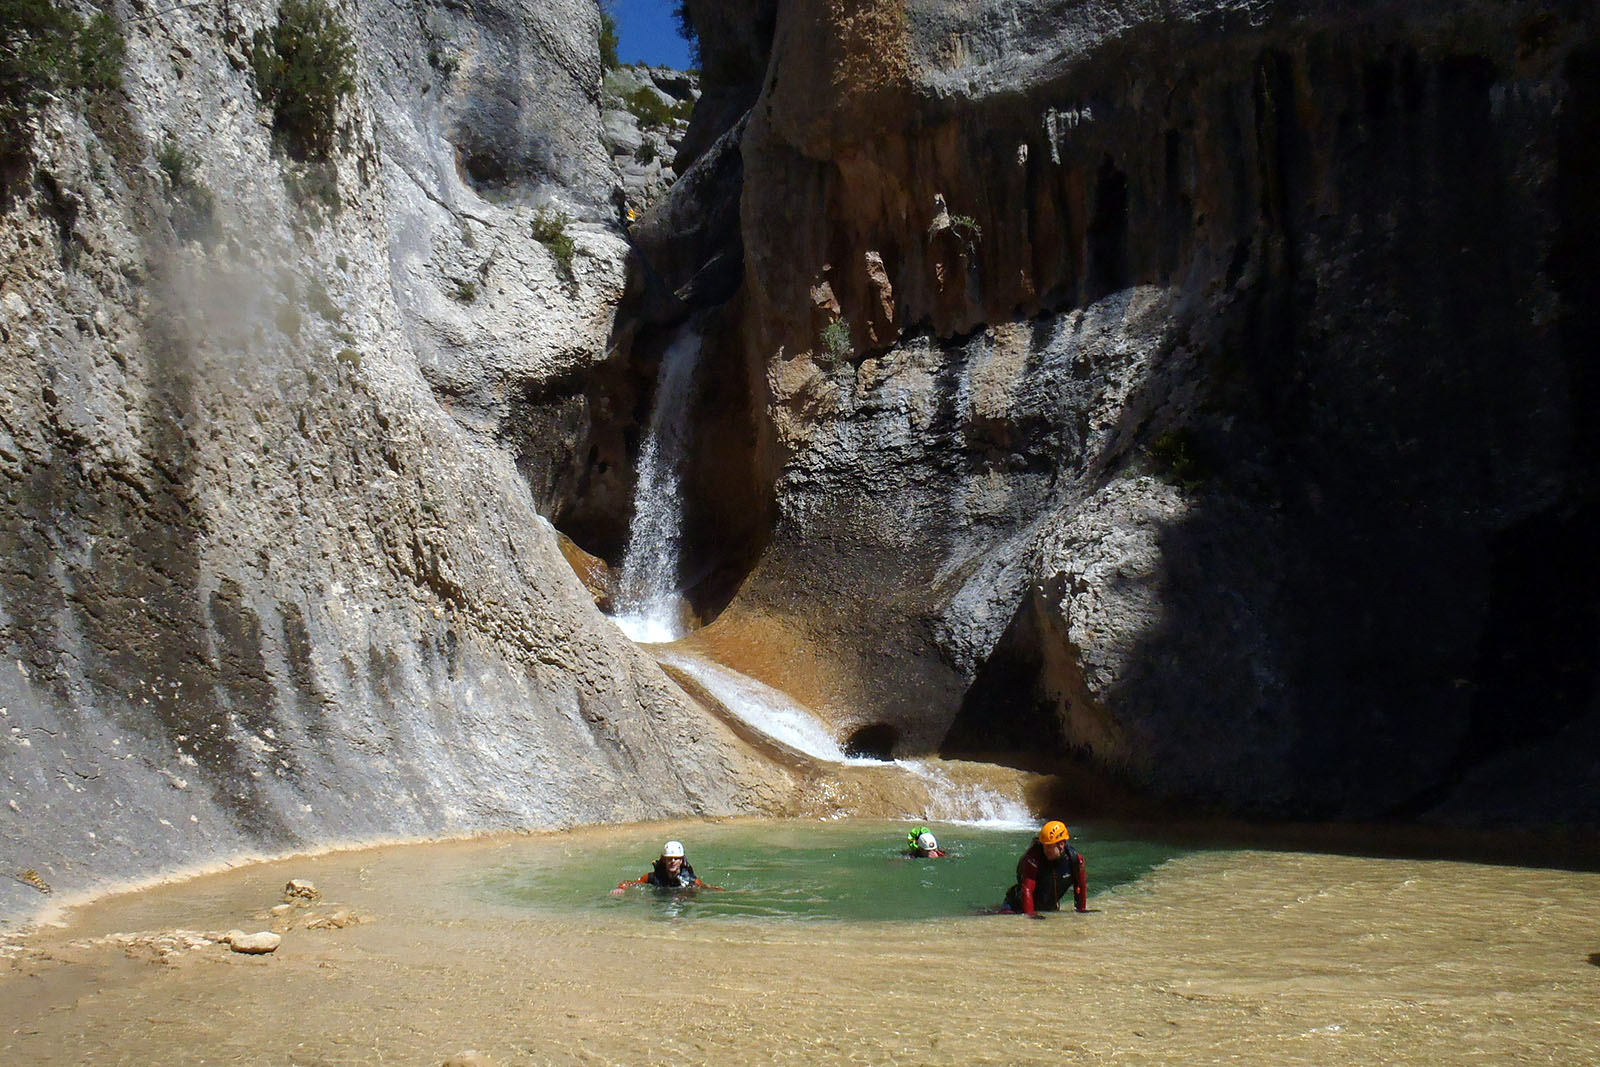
pixel 1246 956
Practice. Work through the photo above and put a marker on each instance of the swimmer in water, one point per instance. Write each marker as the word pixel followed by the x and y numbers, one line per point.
pixel 921 844
pixel 1046 872
pixel 671 871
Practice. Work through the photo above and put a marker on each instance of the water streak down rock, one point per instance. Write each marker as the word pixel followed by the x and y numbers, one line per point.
pixel 648 603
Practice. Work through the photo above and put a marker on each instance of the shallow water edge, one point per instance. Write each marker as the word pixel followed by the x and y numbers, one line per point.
pixel 1246 955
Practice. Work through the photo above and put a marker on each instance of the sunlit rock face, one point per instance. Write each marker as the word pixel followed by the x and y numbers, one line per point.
pixel 644 114
pixel 272 567
pixel 1192 391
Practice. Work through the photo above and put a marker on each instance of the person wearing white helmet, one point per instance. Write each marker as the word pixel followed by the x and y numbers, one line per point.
pixel 671 871
pixel 921 844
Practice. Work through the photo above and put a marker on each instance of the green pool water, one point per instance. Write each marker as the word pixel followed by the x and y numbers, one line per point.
pixel 801 871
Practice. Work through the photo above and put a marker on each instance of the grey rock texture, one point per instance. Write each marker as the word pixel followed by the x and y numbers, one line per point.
pixel 644 149
pixel 1204 382
pixel 273 572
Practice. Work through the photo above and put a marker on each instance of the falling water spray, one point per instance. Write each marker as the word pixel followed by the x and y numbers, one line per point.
pixel 649 600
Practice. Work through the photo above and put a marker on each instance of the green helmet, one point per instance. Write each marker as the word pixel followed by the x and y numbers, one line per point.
pixel 916 832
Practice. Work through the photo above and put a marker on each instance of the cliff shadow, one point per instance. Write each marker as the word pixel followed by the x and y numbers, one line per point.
pixel 1372 554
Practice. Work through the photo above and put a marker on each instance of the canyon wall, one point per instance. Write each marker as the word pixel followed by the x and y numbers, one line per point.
pixel 1190 394
pixel 1188 397
pixel 273 571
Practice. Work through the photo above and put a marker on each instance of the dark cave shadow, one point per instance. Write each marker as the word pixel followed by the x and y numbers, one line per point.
pixel 1360 610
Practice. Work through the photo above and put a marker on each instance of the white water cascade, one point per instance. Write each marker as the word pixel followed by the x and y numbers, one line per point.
pixel 649 602
pixel 776 715
pixel 763 708
pixel 650 610
pixel 950 801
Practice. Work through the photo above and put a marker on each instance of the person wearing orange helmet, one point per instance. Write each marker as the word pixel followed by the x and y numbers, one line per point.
pixel 1046 871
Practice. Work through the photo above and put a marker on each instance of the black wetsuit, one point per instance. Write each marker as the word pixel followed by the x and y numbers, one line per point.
pixel 1041 884
pixel 662 878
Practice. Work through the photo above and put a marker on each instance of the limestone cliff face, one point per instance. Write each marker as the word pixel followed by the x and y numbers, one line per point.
pixel 272 566
pixel 1196 391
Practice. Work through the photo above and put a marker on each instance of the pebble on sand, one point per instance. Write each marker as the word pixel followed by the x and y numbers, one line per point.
pixel 469 1058
pixel 255 944
pixel 300 889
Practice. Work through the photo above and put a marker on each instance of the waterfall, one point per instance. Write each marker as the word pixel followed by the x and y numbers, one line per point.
pixel 763 708
pixel 951 801
pixel 649 608
pixel 778 716
pixel 649 605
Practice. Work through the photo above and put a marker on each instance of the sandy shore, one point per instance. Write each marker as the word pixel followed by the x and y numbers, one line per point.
pixel 1222 957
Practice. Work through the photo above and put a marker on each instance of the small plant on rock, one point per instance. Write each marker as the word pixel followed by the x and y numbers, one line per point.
pixel 314 185
pixel 194 206
pixel 550 230
pixel 47 49
pixel 836 339
pixel 966 227
pixel 304 66
pixel 1179 459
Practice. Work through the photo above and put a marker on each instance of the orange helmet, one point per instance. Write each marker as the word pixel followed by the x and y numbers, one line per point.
pixel 1053 833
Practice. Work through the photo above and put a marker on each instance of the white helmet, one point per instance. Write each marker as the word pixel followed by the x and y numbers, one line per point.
pixel 673 850
pixel 927 842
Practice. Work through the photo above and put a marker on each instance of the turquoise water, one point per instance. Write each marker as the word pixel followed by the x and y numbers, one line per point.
pixel 800 871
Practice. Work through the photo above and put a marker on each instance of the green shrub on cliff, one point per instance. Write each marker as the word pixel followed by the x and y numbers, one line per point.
pixel 304 66
pixel 47 49
pixel 647 106
pixel 609 41
pixel 836 339
pixel 193 205
pixel 550 230
pixel 966 227
pixel 1179 459
pixel 101 50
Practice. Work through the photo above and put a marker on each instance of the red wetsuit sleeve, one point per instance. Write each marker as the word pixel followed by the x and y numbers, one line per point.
pixel 1080 883
pixel 1027 884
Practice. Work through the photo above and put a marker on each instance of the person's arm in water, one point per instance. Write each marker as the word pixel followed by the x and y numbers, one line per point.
pixel 1026 886
pixel 1080 881
pixel 623 887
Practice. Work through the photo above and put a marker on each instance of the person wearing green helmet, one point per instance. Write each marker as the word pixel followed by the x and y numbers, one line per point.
pixel 1046 872
pixel 921 844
